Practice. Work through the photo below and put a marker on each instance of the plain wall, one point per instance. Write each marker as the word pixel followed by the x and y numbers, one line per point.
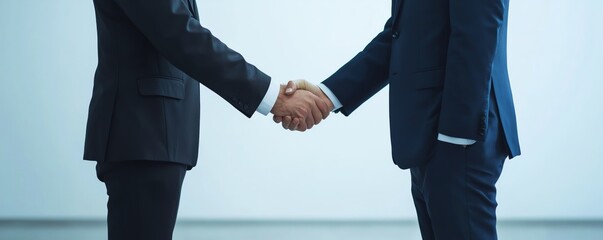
pixel 341 169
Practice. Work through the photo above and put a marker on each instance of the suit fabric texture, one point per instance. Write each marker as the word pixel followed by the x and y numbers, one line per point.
pixel 445 62
pixel 441 58
pixel 144 197
pixel 152 57
pixel 143 121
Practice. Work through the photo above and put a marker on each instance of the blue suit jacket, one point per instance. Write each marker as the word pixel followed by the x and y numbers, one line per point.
pixel 145 102
pixel 441 59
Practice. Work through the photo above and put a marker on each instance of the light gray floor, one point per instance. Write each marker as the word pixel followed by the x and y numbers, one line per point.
pixel 254 230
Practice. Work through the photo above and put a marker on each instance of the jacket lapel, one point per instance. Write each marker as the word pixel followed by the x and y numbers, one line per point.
pixel 192 4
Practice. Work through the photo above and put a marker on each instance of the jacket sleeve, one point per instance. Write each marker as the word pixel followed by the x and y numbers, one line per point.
pixel 179 37
pixel 472 45
pixel 364 75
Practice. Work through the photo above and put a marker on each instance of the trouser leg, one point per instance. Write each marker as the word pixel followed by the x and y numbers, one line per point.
pixel 143 198
pixel 455 192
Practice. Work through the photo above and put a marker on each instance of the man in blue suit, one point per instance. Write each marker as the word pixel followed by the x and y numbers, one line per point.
pixel 452 117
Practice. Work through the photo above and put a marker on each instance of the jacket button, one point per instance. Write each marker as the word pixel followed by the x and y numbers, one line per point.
pixel 395 35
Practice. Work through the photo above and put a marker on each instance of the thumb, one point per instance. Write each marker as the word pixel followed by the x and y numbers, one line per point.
pixel 290 88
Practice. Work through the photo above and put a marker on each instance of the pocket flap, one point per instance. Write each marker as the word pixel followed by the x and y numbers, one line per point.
pixel 161 86
pixel 429 79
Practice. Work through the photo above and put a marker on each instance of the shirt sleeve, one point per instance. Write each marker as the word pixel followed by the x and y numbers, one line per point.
pixel 331 96
pixel 454 140
pixel 269 99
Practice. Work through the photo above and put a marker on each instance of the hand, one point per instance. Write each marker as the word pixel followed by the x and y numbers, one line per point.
pixel 305 108
pixel 290 122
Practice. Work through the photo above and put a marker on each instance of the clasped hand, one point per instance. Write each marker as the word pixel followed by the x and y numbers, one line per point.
pixel 301 105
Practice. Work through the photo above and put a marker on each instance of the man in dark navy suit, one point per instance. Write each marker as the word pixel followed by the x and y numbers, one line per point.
pixel 143 122
pixel 452 117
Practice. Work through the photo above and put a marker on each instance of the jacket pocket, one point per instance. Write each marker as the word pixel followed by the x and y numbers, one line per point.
pixel 428 79
pixel 162 86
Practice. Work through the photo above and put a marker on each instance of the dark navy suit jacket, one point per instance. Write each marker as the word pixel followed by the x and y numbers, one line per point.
pixel 145 102
pixel 442 59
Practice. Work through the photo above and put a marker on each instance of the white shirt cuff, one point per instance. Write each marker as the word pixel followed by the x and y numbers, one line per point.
pixel 453 140
pixel 269 99
pixel 331 96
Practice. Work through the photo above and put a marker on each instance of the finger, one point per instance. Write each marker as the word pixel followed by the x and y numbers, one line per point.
pixel 302 127
pixel 287 122
pixel 295 124
pixel 277 119
pixel 310 119
pixel 288 119
pixel 290 88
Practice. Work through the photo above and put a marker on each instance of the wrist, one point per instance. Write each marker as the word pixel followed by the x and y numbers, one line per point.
pixel 279 99
pixel 327 100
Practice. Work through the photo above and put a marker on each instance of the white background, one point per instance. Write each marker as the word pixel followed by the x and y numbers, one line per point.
pixel 252 169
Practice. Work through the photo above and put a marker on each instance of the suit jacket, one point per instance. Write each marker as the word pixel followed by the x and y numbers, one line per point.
pixel 151 57
pixel 442 59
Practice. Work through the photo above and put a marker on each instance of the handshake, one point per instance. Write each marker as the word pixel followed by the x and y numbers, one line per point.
pixel 301 105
